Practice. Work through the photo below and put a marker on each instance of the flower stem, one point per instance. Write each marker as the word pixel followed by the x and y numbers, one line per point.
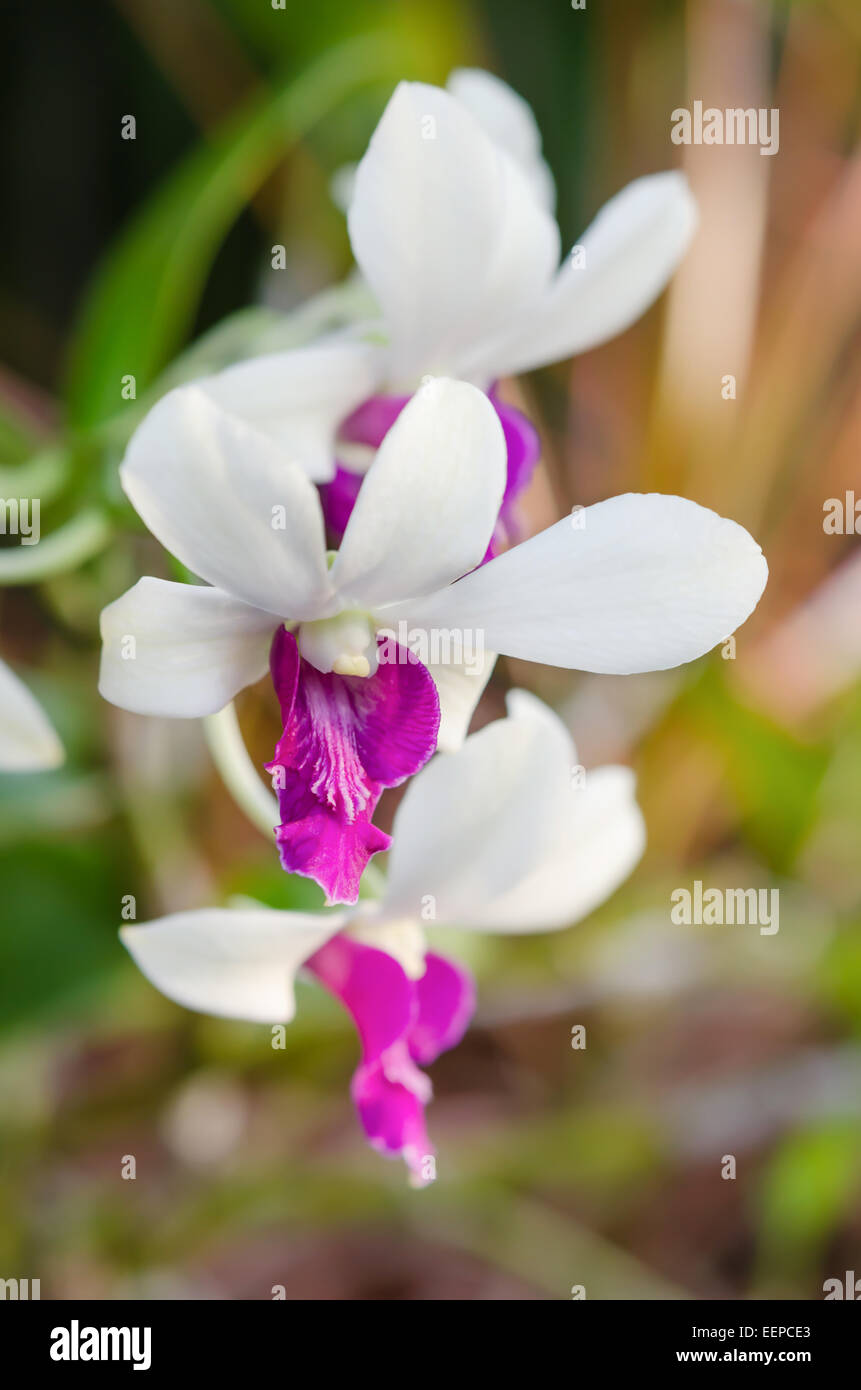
pixel 237 771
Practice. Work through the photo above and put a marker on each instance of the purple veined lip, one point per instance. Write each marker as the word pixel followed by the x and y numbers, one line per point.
pixel 370 423
pixel 345 739
pixel 403 1024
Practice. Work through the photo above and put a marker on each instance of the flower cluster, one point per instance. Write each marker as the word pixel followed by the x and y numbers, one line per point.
pixel 335 496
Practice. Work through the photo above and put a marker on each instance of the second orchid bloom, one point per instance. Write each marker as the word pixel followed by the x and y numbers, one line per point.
pixel 555 846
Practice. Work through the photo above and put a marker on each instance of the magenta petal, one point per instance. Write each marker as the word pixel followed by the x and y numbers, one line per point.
pixel 398 715
pixel 523 450
pixel 345 739
pixel 372 987
pixel 446 1000
pixel 399 1021
pixel 370 423
pixel 316 843
pixel 390 1098
pixel 523 447
pixel 338 498
pixel 388 1089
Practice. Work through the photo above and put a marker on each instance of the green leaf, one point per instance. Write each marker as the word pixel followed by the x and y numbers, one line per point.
pixel 809 1184
pixel 839 973
pixel 773 775
pixel 144 300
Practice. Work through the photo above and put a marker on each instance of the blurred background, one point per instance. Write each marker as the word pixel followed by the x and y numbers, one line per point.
pixel 559 1167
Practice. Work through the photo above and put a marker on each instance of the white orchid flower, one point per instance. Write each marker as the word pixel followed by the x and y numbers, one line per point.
pixel 640 582
pixel 510 122
pixel 464 259
pixel 28 742
pixel 503 115
pixel 450 221
pixel 556 845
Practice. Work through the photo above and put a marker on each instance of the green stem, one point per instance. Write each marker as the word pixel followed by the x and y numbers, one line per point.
pixel 237 771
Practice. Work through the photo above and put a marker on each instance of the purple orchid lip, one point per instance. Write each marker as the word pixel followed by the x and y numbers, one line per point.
pixel 345 739
pixel 370 423
pixel 401 1023
pixel 523 448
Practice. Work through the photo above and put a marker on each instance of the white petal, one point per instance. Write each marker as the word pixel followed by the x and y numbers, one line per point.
pixel 640 582
pixel 460 686
pixel 404 940
pixel 28 742
pixel 446 231
pixel 193 648
pixel 474 822
pixel 235 964
pixel 600 836
pixel 630 251
pixel 509 121
pixel 299 398
pixel 598 846
pixel 502 835
pixel 428 505
pixel 223 499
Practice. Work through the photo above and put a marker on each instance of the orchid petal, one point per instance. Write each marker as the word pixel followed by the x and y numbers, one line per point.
pixel 228 962
pixel 345 739
pixel 299 398
pixel 28 742
pixel 640 582
pixel 446 230
pixel 503 834
pixel 223 499
pixel 509 121
pixel 474 822
pixel 429 502
pixel 181 650
pixel 598 845
pixel 400 1022
pixel 446 1003
pixel 621 264
pixel 460 686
